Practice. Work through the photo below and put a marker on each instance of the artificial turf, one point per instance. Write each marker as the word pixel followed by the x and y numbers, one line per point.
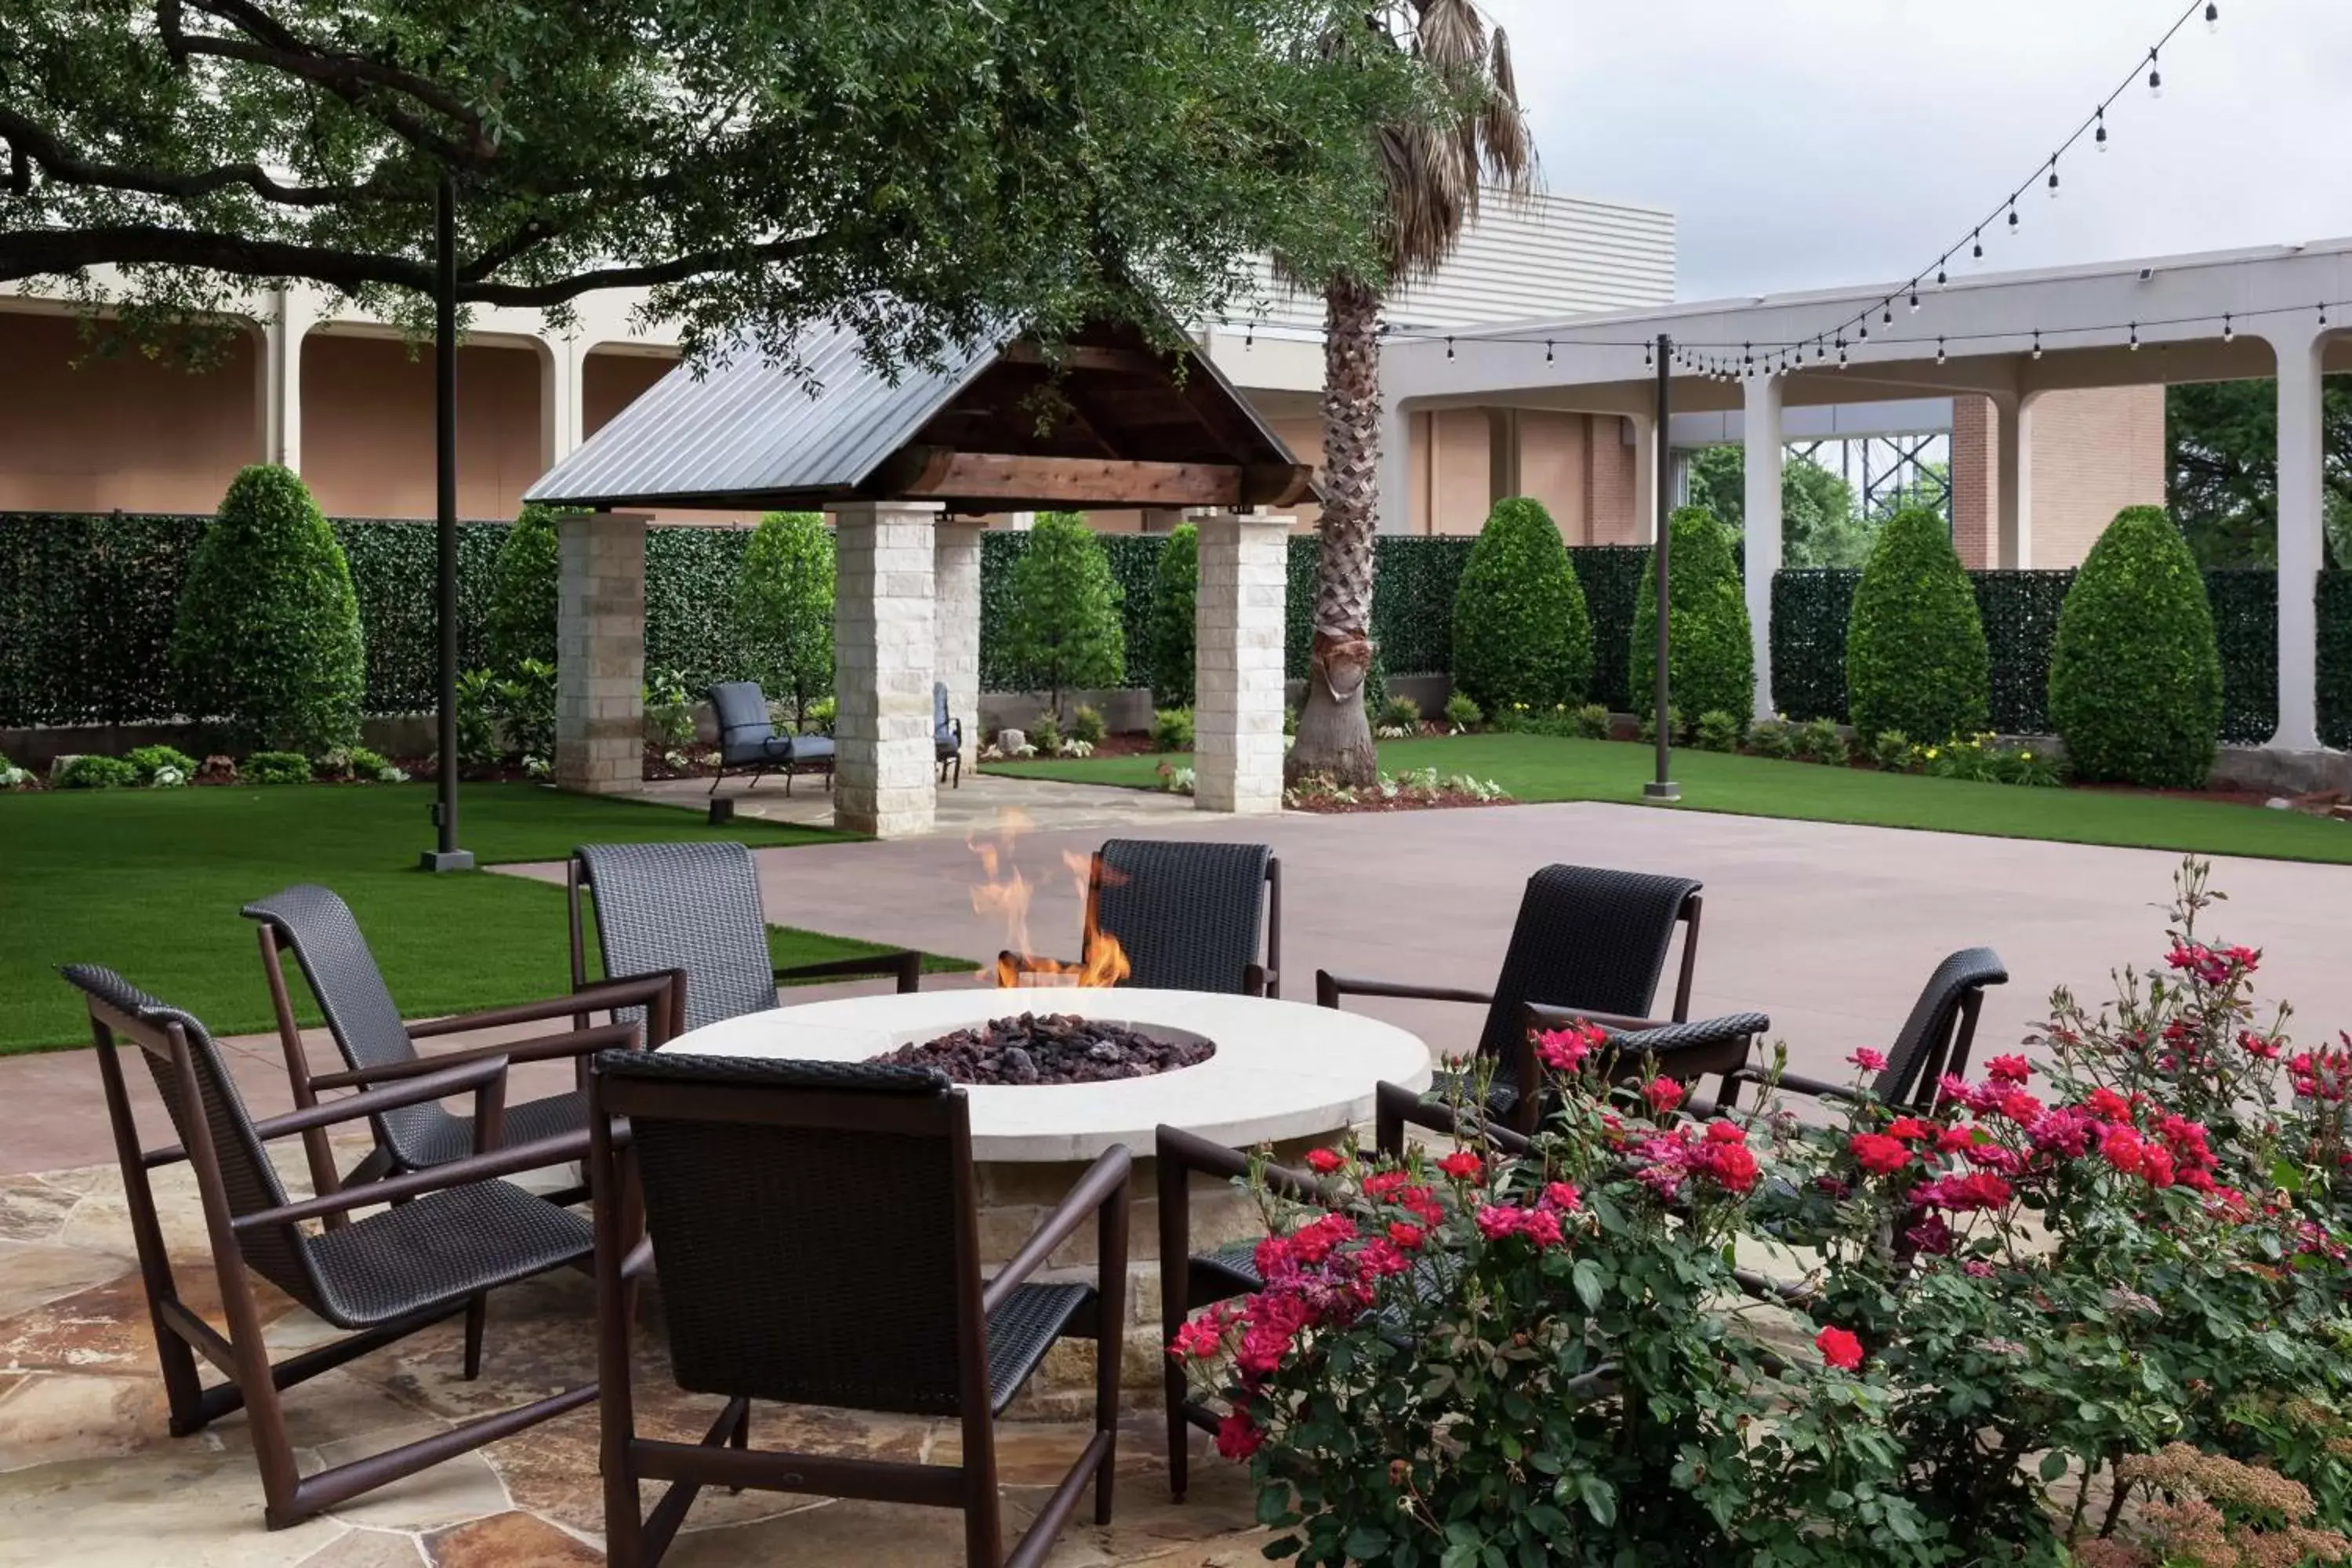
pixel 1540 768
pixel 149 882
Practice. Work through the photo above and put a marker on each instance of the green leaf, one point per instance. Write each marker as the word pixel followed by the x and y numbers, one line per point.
pixel 1591 1286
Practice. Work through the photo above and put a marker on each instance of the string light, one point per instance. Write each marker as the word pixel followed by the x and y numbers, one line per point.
pixel 1889 307
pixel 1649 356
pixel 2037 342
pixel 1979 245
pixel 1548 359
pixel 2155 77
pixel 1915 295
pixel 2229 331
pixel 2135 337
pixel 2212 17
pixel 1943 278
pixel 1940 351
pixel 1449 347
pixel 1249 338
pixel 2012 215
pixel 2054 176
pixel 2100 115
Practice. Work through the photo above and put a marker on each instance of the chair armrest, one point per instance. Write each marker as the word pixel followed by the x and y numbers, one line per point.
pixel 1797 1083
pixel 1549 1015
pixel 539 1047
pixel 1257 980
pixel 438 1084
pixel 1395 1108
pixel 1183 1152
pixel 1709 1039
pixel 905 965
pixel 463 1173
pixel 1104 1185
pixel 649 991
pixel 1330 987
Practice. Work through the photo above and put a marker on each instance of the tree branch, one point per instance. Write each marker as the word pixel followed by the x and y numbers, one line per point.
pixel 31 143
pixel 527 295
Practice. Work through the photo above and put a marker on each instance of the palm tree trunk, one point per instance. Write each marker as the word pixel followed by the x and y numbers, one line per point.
pixel 1335 735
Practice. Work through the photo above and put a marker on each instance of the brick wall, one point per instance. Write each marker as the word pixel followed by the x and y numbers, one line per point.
pixel 1976 479
pixel 2094 453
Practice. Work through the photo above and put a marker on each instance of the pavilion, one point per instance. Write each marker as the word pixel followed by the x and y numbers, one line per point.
pixel 909 468
pixel 2218 316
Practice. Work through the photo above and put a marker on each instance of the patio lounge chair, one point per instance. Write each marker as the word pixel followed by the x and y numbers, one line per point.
pixel 693 908
pixel 1188 916
pixel 947 735
pixel 1589 941
pixel 747 738
pixel 1933 1040
pixel 378 1048
pixel 453 1235
pixel 818 1236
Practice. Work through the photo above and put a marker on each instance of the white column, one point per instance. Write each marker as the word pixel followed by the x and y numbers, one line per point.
pixel 1395 513
pixel 1502 454
pixel 955 565
pixel 1645 477
pixel 1761 427
pixel 1237 622
pixel 558 400
pixel 2302 451
pixel 292 316
pixel 2014 481
pixel 883 645
pixel 600 652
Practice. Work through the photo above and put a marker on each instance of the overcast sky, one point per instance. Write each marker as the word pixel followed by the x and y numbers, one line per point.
pixel 1808 144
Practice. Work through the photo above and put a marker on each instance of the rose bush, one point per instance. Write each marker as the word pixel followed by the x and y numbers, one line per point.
pixel 1972 1328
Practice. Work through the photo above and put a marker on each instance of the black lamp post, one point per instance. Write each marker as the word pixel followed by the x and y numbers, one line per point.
pixel 1663 788
pixel 446 855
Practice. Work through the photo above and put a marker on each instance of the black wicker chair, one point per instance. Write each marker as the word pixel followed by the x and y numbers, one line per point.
pixel 1592 941
pixel 1188 916
pixel 818 1237
pixel 947 736
pixel 748 738
pixel 1933 1040
pixel 453 1235
pixel 377 1047
pixel 694 909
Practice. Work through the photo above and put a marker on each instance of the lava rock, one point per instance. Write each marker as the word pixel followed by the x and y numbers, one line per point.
pixel 1052 1047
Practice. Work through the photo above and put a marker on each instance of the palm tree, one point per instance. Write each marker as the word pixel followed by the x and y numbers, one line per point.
pixel 1433 168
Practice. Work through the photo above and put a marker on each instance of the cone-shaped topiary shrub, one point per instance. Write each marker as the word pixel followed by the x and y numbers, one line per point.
pixel 2135 677
pixel 1915 646
pixel 1521 633
pixel 1711 663
pixel 522 592
pixel 1175 596
pixel 268 638
pixel 1064 625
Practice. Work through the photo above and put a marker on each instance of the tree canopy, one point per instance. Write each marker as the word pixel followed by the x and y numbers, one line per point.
pixel 923 171
pixel 2224 470
pixel 1819 524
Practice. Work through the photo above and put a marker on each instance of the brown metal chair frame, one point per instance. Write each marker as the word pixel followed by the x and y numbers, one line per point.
pixel 1257 979
pixel 255 1382
pixel 1179 1154
pixel 1521 1061
pixel 724 1457
pixel 663 996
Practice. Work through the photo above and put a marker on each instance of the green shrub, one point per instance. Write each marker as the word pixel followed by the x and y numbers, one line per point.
pixel 267 635
pixel 1893 752
pixel 149 760
pixel 97 773
pixel 1521 631
pixel 1086 724
pixel 1045 735
pixel 14 777
pixel 1171 730
pixel 1064 617
pixel 525 707
pixel 523 591
pixel 1718 732
pixel 277 768
pixel 1710 661
pixel 783 607
pixel 822 713
pixel 1463 714
pixel 1914 647
pixel 360 765
pixel 1774 738
pixel 1399 712
pixel 2134 675
pixel 1645 729
pixel 1591 722
pixel 1175 594
pixel 670 710
pixel 1821 741
pixel 477 721
pixel 1289 723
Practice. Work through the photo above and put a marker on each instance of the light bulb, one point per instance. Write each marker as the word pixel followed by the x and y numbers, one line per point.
pixel 1943 278
pixel 2212 17
pixel 1940 351
pixel 2037 342
pixel 1977 250
pixel 1649 356
pixel 2054 179
pixel 2135 337
pixel 2155 77
pixel 1915 299
pixel 2229 332
pixel 1449 347
pixel 1548 359
pixel 2100 138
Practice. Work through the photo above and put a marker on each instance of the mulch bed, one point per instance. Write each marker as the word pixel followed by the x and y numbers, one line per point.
pixel 1442 800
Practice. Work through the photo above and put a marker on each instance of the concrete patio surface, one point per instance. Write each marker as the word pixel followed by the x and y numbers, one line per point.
pixel 973 807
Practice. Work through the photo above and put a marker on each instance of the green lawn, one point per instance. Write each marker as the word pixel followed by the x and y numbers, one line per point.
pixel 149 882
pixel 1538 768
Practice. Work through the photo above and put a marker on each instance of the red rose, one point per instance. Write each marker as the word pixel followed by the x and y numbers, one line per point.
pixel 2009 1069
pixel 1408 1237
pixel 1869 1060
pixel 1237 1435
pixel 1838 1348
pixel 1722 1132
pixel 2122 1150
pixel 1910 1129
pixel 1323 1162
pixel 1561 1196
pixel 1385 1186
pixel 1878 1154
pixel 1733 1166
pixel 1462 1164
pixel 1663 1094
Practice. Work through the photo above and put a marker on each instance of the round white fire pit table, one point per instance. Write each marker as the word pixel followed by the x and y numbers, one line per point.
pixel 1284 1073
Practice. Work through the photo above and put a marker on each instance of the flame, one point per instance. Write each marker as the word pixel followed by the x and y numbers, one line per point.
pixel 1004 891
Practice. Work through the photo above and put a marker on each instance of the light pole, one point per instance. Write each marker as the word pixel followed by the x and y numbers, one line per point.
pixel 446 855
pixel 1663 788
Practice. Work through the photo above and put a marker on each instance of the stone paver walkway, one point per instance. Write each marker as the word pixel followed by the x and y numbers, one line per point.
pixel 974 807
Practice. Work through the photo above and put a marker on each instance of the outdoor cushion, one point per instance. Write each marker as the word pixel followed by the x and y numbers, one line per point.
pixel 810 748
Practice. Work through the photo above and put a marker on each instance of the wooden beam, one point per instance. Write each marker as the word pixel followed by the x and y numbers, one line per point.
pixel 921 472
pixel 1277 484
pixel 1088 356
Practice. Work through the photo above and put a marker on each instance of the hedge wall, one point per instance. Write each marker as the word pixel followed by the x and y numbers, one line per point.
pixel 2335 661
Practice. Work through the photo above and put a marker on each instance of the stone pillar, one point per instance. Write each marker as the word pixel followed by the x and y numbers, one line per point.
pixel 600 652
pixel 883 645
pixel 2302 451
pixel 560 417
pixel 2013 482
pixel 955 565
pixel 280 361
pixel 1237 620
pixel 1761 430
